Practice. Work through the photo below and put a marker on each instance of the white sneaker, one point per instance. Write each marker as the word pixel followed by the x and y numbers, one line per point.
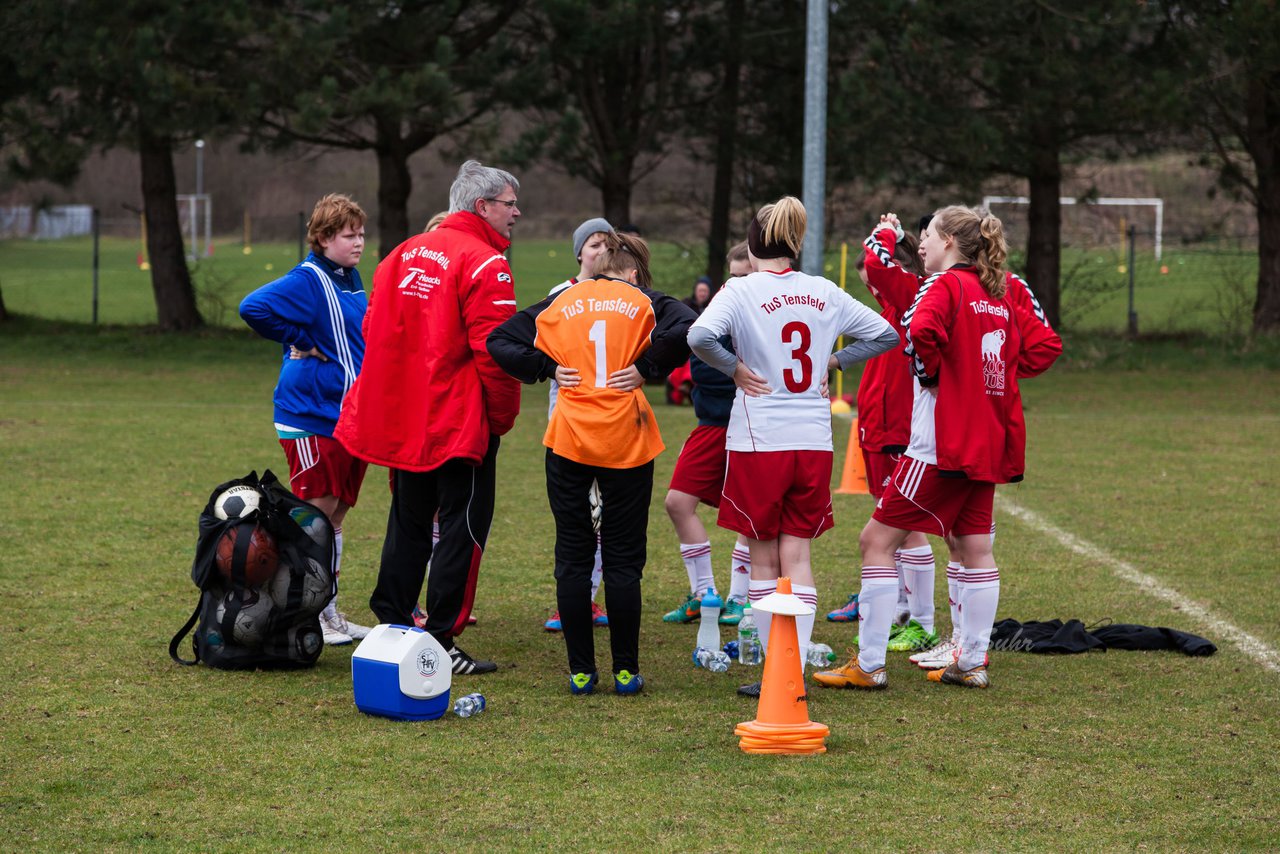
pixel 333 633
pixel 339 622
pixel 937 658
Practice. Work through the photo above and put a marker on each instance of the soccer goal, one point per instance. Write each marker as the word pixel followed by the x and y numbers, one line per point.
pixel 1156 204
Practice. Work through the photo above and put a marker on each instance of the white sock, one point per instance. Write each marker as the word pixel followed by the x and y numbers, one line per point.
pixel 955 584
pixel 804 624
pixel 757 590
pixel 597 571
pixel 917 574
pixel 739 572
pixel 977 615
pixel 697 562
pixel 435 533
pixel 330 611
pixel 904 604
pixel 876 609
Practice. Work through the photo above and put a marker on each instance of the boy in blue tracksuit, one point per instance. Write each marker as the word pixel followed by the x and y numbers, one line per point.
pixel 315 311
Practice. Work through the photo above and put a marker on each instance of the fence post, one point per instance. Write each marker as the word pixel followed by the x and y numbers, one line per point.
pixel 97 230
pixel 302 236
pixel 1133 315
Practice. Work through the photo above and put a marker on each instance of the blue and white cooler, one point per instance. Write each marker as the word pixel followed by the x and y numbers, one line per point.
pixel 401 673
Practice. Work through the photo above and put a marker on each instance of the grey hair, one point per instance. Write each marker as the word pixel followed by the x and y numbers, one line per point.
pixel 477 181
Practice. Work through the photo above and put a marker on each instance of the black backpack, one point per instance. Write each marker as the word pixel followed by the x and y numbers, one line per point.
pixel 243 625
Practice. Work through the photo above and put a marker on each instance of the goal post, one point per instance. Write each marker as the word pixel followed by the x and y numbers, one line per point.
pixel 195 211
pixel 1157 204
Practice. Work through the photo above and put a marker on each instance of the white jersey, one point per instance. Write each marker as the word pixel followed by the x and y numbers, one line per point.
pixel 924 442
pixel 784 326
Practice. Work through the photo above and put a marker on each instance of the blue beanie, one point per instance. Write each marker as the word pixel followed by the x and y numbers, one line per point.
pixel 583 233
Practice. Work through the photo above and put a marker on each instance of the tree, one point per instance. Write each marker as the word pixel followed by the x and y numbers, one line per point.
pixel 1019 88
pixel 389 78
pixel 1231 50
pixel 613 70
pixel 146 74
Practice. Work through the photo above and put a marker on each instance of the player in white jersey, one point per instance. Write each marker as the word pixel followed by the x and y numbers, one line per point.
pixel 784 323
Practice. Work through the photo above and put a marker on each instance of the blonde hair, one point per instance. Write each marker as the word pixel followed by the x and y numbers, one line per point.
pixel 434 222
pixel 332 214
pixel 979 237
pixel 784 222
pixel 623 253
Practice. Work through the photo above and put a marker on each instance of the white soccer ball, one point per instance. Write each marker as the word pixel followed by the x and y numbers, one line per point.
pixel 311 521
pixel 236 502
pixel 250 625
pixel 597 508
pixel 316 586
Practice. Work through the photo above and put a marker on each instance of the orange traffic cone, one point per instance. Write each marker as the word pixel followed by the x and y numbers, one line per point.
pixel 782 722
pixel 853 480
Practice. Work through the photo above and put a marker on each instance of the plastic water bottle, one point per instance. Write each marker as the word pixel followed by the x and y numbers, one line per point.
pixel 731 649
pixel 820 655
pixel 712 659
pixel 749 651
pixel 709 625
pixel 472 704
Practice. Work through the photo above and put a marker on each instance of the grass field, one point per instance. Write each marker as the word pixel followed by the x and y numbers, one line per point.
pixel 1158 456
pixel 1203 290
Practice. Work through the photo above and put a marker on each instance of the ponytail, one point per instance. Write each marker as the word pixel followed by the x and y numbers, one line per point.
pixel 622 254
pixel 979 237
pixel 777 230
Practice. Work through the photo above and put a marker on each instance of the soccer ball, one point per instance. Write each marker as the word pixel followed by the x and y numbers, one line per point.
pixel 317 587
pixel 260 561
pixel 250 625
pixel 597 508
pixel 312 521
pixel 236 502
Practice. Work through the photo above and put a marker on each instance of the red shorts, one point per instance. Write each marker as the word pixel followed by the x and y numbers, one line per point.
pixel 700 468
pixel 918 499
pixel 767 493
pixel 320 466
pixel 879 467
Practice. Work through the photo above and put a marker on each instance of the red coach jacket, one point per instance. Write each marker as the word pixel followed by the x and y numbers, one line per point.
pixel 429 391
pixel 974 348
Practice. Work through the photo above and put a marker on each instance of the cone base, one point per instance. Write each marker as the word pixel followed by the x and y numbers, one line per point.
pixel 757 737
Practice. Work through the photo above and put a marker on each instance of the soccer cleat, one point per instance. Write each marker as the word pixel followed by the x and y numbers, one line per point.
pixel 626 682
pixel 553 625
pixel 464 664
pixel 583 683
pixel 346 627
pixel 333 634
pixel 848 613
pixel 598 616
pixel 852 676
pixel 953 675
pixel 731 614
pixel 912 638
pixel 752 690
pixel 688 611
pixel 936 658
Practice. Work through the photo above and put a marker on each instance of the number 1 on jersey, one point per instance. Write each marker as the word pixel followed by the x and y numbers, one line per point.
pixel 597 335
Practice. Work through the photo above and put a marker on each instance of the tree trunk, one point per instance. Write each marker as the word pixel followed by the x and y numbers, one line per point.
pixel 4 314
pixel 1263 121
pixel 1044 228
pixel 726 133
pixel 176 308
pixel 394 186
pixel 615 190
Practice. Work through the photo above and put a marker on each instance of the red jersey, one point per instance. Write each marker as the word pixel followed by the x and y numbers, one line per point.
pixel 886 392
pixel 429 391
pixel 967 351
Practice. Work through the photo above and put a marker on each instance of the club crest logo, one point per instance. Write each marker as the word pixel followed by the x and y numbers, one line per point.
pixel 428 662
pixel 993 366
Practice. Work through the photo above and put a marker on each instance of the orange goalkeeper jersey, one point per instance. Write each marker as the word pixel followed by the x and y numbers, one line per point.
pixel 598 326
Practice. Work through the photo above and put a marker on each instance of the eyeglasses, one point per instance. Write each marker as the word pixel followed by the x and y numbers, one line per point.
pixel 511 203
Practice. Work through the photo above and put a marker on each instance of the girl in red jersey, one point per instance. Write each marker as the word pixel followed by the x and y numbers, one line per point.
pixel 783 324
pixel 969 342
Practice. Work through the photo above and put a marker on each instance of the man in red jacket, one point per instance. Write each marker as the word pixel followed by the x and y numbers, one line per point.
pixel 430 403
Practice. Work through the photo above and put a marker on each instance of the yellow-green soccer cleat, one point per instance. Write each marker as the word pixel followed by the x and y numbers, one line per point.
pixel 852 676
pixel 953 675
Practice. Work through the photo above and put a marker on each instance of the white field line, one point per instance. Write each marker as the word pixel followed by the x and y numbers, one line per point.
pixel 1250 645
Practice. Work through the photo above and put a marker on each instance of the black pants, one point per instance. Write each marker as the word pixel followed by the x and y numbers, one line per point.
pixel 463 496
pixel 624 495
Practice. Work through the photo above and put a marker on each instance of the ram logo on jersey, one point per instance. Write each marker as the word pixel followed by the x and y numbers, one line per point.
pixel 504 277
pixel 993 361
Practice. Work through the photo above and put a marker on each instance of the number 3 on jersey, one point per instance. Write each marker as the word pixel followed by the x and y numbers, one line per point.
pixel 596 335
pixel 796 335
